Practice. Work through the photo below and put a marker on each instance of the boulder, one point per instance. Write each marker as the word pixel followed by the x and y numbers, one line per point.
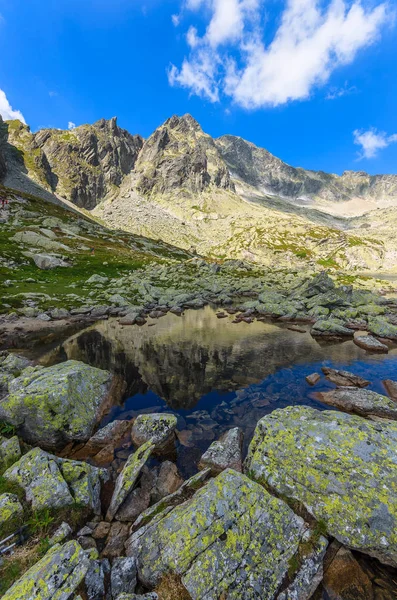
pixel 371 344
pixel 168 481
pixel 344 378
pixel 10 451
pixel 330 327
pixel 55 576
pixel 58 404
pixel 52 482
pixel 341 468
pixel 31 238
pixel 381 327
pixel 48 261
pixel 391 388
pixel 158 428
pixel 123 576
pixel 319 284
pixel 139 498
pixel 110 435
pixel 232 540
pixel 224 453
pixel 344 578
pixel 14 364
pixel 360 402
pixel 10 509
pixel 128 478
pixel 115 540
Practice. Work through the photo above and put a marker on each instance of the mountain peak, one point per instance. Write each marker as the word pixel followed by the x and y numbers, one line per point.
pixel 184 123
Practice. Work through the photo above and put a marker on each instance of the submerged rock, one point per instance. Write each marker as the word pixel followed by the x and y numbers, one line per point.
pixel 57 575
pixel 58 404
pixel 340 467
pixel 224 453
pixel 361 402
pixel 232 539
pixel 344 378
pixel 158 428
pixel 313 378
pixel 371 344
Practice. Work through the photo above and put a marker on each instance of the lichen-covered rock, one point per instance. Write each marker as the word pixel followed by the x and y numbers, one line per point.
pixel 344 378
pixel 10 508
pixel 371 344
pixel 340 467
pixel 123 576
pixel 158 428
pixel 58 404
pixel 381 327
pixel 361 402
pixel 52 482
pixel 10 451
pixel 128 478
pixel 224 453
pixel 55 577
pixel 60 534
pixel 232 540
pixel 330 327
pixel 14 364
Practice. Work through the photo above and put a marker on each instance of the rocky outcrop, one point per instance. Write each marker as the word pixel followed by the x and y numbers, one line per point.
pixel 58 404
pixel 56 575
pixel 231 539
pixel 339 467
pixel 180 158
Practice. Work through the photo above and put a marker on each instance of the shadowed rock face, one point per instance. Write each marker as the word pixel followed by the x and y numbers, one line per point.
pixel 82 165
pixel 179 155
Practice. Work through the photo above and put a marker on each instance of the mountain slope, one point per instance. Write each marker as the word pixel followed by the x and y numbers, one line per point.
pixel 221 198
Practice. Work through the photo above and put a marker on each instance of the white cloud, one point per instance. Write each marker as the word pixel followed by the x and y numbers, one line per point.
pixel 6 110
pixel 175 20
pixel 335 92
pixel 371 141
pixel 71 125
pixel 312 40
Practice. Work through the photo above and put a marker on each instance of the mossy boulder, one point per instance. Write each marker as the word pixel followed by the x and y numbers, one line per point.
pixel 52 482
pixel 231 540
pixel 58 404
pixel 10 508
pixel 10 451
pixel 55 577
pixel 381 327
pixel 158 428
pixel 341 468
pixel 330 327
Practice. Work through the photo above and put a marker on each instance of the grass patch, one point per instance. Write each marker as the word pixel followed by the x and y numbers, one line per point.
pixel 171 588
pixel 328 262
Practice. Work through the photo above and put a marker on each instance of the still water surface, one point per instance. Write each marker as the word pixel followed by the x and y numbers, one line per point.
pixel 215 374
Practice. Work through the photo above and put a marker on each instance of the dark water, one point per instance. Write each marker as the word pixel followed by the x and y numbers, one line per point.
pixel 215 374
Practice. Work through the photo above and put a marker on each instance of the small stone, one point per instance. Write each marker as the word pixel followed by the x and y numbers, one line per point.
pixel 168 481
pixel 313 378
pixel 344 378
pixel 87 542
pixel 60 535
pixel 116 539
pixel 101 530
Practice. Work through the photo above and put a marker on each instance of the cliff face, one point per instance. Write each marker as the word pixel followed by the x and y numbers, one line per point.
pixel 180 157
pixel 260 169
pixel 83 165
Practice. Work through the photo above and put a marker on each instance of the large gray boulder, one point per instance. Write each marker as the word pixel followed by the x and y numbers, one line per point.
pixel 47 262
pixel 58 404
pixel 55 577
pixel 52 482
pixel 232 540
pixel 340 467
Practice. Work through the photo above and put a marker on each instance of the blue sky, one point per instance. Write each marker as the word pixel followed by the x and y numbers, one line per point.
pixel 304 80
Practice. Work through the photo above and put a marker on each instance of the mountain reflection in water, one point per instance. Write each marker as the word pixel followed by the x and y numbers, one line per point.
pixel 215 374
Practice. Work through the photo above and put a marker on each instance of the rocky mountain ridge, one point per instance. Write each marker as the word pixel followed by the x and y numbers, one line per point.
pixel 223 197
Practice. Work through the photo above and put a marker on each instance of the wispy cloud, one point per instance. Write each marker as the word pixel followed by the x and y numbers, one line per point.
pixel 372 141
pixel 334 92
pixel 175 20
pixel 6 110
pixel 312 40
pixel 53 94
pixel 71 125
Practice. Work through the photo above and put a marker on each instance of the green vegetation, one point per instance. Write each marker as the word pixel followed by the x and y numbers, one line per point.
pixel 328 263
